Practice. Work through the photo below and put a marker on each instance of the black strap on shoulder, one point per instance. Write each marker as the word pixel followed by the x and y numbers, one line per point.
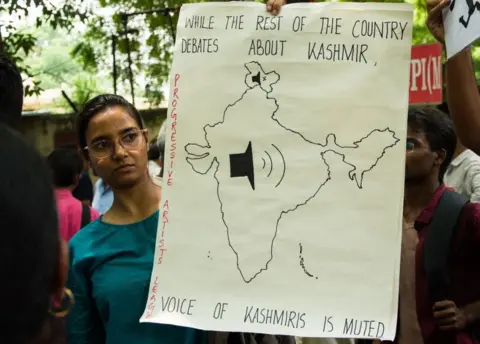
pixel 86 216
pixel 259 338
pixel 438 242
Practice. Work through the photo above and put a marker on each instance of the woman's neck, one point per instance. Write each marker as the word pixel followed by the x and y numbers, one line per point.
pixel 134 204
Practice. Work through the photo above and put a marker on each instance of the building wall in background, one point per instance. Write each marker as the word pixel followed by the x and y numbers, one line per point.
pixel 49 131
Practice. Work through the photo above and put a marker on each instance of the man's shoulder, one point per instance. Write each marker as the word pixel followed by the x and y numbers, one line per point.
pixel 470 217
pixel 470 158
pixel 471 209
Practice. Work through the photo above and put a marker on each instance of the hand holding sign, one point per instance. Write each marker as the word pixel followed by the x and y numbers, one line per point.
pixel 274 6
pixel 435 18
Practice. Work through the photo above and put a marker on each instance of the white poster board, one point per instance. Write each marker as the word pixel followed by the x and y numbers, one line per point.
pixel 284 172
pixel 462 25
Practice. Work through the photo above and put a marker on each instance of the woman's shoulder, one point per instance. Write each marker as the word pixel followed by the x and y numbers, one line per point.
pixel 97 238
pixel 86 233
pixel 88 241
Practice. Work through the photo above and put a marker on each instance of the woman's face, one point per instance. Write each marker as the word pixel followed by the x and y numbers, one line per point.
pixel 117 148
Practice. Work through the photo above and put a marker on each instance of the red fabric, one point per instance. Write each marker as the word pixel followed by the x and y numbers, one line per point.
pixel 70 213
pixel 464 271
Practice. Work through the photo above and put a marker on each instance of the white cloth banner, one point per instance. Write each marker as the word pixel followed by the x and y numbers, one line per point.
pixel 284 172
pixel 462 25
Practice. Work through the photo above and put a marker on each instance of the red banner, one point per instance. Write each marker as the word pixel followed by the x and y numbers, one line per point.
pixel 426 82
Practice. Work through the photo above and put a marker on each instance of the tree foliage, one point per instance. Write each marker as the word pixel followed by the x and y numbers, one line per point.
pixel 151 45
pixel 18 44
pixel 150 40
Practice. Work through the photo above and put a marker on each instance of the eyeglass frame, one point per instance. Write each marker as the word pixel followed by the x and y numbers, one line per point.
pixel 117 140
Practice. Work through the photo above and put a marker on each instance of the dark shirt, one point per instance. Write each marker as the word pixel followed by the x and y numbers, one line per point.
pixel 464 271
pixel 84 189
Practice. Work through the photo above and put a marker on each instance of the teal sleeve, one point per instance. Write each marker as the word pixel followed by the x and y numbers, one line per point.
pixel 84 325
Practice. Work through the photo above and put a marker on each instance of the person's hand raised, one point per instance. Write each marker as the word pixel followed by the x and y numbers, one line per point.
pixel 435 18
pixel 274 6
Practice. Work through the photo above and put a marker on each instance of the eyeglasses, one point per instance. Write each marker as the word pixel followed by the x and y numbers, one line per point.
pixel 129 141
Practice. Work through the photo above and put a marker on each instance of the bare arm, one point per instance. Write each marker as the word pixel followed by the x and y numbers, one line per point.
pixel 462 92
pixel 464 99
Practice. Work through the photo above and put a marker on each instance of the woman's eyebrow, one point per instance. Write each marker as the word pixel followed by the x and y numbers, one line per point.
pixel 126 130
pixel 99 138
pixel 108 137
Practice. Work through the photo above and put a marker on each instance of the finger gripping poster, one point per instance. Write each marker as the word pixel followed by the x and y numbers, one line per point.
pixel 281 209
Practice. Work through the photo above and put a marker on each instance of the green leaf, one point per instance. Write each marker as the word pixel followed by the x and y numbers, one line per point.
pixel 18 44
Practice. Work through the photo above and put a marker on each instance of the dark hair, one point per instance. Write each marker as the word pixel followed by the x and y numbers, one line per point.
pixel 438 129
pixel 98 105
pixel 65 164
pixel 11 93
pixel 69 146
pixel 153 152
pixel 29 249
pixel 444 108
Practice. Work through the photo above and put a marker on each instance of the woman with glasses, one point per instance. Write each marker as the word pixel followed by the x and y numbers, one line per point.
pixel 111 259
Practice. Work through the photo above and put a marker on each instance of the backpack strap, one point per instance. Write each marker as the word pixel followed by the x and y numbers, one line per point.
pixel 438 240
pixel 86 216
pixel 259 338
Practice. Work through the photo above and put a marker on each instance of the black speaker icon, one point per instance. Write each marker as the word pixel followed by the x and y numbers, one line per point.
pixel 241 165
pixel 256 78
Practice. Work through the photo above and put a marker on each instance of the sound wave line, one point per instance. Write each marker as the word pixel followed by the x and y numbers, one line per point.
pixel 271 164
pixel 263 167
pixel 284 165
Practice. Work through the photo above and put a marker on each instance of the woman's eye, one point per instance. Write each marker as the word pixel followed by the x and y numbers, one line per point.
pixel 410 145
pixel 130 137
pixel 101 144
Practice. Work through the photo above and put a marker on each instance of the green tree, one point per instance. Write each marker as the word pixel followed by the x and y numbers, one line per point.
pixel 18 43
pixel 153 58
pixel 81 89
pixel 50 61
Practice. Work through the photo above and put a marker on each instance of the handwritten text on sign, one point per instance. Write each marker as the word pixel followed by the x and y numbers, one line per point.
pixel 277 123
pixel 462 25
pixel 315 50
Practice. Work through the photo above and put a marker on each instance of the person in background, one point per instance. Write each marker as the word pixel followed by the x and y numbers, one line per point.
pixel 102 196
pixel 84 189
pixel 463 174
pixel 66 166
pixel 11 93
pixel 154 159
pixel 119 247
pixel 33 258
pixel 431 142
pixel 462 92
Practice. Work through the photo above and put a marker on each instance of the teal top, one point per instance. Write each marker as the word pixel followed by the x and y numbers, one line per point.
pixel 110 267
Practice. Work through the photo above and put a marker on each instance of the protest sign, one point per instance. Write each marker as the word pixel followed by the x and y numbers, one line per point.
pixel 281 210
pixel 462 25
pixel 426 74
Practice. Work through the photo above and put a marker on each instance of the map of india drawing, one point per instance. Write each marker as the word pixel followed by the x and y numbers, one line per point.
pixel 269 168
